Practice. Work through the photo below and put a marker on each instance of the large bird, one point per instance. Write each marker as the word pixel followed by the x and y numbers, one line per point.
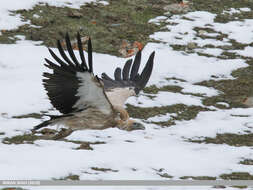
pixel 87 101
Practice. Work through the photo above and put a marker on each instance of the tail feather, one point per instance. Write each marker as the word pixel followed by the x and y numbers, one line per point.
pixel 43 124
pixel 53 118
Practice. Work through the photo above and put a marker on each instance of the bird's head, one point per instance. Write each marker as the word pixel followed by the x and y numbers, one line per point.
pixel 130 125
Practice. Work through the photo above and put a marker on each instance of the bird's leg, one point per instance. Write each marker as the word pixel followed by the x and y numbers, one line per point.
pixel 124 122
pixel 122 112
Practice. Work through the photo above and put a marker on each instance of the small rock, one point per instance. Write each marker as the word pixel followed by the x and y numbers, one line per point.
pixel 219 187
pixel 4 115
pixel 74 14
pixel 47 131
pixel 85 146
pixel 63 133
pixel 35 36
pixel 156 6
pixel 177 8
pixel 248 101
pixel 113 25
pixel 72 177
pixel 165 175
pixel 191 45
pixel 202 32
pixel 168 13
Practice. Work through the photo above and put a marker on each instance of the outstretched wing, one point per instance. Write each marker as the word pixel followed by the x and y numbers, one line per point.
pixel 127 82
pixel 72 86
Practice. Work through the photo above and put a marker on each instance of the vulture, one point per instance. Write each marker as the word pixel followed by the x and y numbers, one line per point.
pixel 85 100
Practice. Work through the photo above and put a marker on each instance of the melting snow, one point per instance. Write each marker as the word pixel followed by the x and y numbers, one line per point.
pixel 137 154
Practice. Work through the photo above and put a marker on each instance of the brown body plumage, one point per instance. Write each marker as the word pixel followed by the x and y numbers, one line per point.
pixel 92 118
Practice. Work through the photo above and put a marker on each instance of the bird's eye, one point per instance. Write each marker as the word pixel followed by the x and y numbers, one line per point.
pixel 135 124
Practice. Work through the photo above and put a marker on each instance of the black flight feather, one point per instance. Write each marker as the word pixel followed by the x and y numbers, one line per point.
pixel 70 50
pixel 106 77
pixel 136 65
pixel 126 69
pixel 90 56
pixel 117 74
pixel 146 73
pixel 64 56
pixel 80 48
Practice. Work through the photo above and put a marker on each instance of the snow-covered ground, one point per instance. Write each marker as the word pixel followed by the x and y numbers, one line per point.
pixel 137 154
